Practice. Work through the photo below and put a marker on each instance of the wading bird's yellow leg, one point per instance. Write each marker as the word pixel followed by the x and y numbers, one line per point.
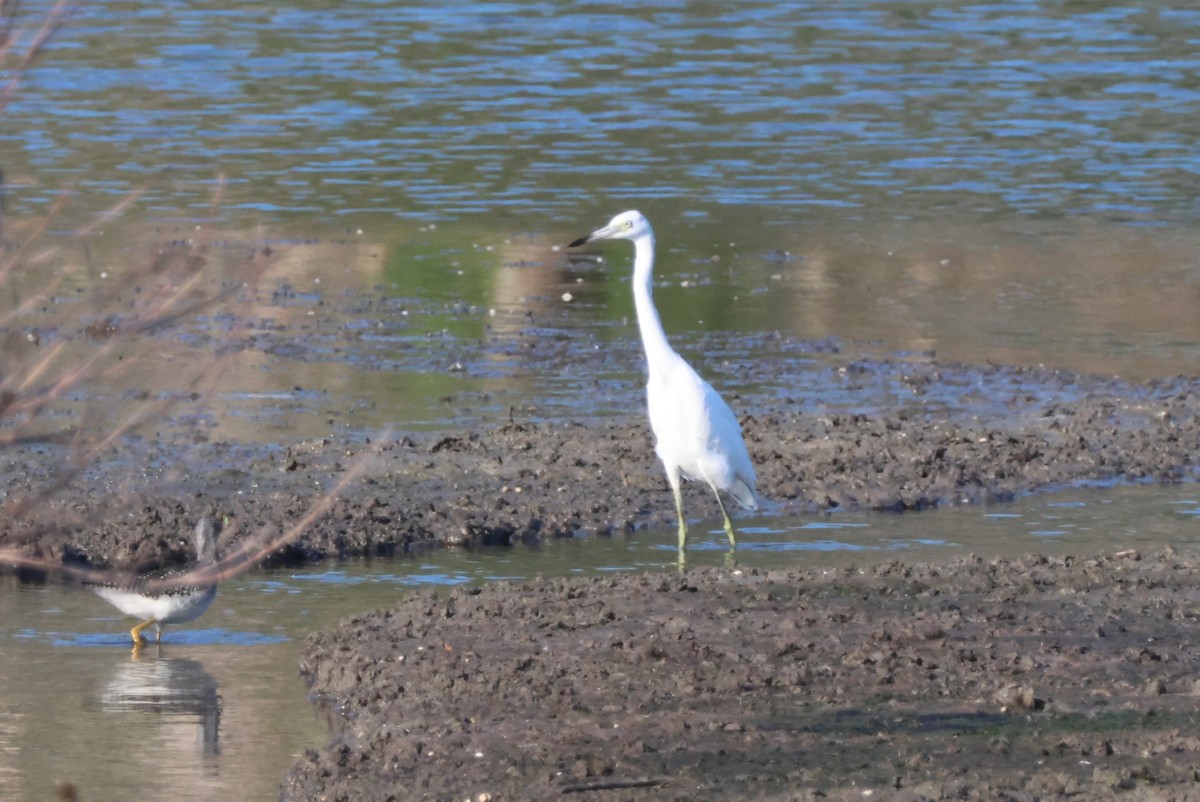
pixel 728 524
pixel 679 512
pixel 731 555
pixel 682 555
pixel 136 632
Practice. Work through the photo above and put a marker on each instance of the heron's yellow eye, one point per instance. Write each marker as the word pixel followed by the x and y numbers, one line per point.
pixel 628 224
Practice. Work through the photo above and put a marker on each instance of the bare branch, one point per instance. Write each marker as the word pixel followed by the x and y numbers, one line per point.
pixel 54 20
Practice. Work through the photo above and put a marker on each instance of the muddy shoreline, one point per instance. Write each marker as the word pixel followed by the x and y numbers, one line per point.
pixel 1064 678
pixel 512 482
pixel 1037 678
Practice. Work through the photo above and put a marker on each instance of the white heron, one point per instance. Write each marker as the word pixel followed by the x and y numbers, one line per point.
pixel 696 434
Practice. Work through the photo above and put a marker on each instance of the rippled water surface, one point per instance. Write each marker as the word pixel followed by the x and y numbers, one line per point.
pixel 540 111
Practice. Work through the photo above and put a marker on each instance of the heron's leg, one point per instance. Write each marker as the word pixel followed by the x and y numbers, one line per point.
pixel 136 632
pixel 673 478
pixel 728 523
pixel 679 512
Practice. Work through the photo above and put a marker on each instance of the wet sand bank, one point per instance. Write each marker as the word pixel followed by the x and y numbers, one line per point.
pixel 509 482
pixel 1037 678
pixel 1065 678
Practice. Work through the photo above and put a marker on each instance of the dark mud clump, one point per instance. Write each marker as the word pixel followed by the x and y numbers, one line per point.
pixel 932 434
pixel 1033 679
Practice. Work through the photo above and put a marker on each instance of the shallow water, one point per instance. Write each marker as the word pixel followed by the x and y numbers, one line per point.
pixel 437 338
pixel 217 711
pixel 998 181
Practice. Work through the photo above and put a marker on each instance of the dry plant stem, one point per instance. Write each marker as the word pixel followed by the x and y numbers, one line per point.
pixel 159 311
pixel 28 389
pixel 111 214
pixel 26 306
pixel 251 552
pixel 31 389
pixel 9 37
pixel 83 450
pixel 38 385
pixel 21 252
pixel 246 556
pixel 146 317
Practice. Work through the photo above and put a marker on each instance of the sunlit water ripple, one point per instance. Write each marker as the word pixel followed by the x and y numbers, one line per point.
pixel 533 110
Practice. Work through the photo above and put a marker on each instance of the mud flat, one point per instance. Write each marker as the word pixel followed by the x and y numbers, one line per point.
pixel 1036 678
pixel 1040 678
pixel 914 445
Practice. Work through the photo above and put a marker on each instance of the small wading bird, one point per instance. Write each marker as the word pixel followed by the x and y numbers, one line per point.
pixel 160 598
pixel 696 433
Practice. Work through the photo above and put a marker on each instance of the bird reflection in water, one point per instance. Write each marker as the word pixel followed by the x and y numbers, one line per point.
pixel 175 688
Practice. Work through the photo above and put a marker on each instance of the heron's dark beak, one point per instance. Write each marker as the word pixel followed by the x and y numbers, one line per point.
pixel 601 233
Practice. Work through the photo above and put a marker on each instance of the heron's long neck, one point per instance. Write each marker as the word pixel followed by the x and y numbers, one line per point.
pixel 654 339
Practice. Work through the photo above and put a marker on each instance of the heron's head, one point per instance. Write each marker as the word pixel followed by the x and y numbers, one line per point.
pixel 626 225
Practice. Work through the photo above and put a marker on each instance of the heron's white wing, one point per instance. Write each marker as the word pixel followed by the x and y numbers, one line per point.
pixel 697 432
pixel 726 447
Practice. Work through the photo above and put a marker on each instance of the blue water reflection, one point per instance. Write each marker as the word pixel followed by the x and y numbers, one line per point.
pixel 423 575
pixel 216 636
pixel 533 109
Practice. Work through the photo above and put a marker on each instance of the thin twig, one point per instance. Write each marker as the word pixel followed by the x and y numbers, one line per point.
pixel 610 785
pixel 54 20
pixel 249 554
